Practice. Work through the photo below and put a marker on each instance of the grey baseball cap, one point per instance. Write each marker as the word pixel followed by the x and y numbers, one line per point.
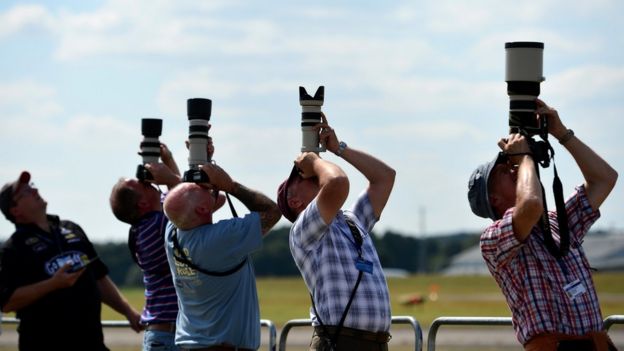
pixel 478 193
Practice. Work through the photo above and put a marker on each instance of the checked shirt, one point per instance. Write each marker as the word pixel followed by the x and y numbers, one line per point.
pixel 326 255
pixel 532 280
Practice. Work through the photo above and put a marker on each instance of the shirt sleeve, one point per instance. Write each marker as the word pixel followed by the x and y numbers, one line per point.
pixel 499 244
pixel 363 211
pixel 581 216
pixel 241 236
pixel 309 227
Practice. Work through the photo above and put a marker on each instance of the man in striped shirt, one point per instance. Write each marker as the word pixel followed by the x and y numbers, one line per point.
pixel 333 248
pixel 139 203
pixel 551 295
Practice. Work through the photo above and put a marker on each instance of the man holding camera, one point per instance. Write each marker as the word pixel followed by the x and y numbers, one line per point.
pixel 333 248
pixel 552 298
pixel 139 203
pixel 52 277
pixel 211 265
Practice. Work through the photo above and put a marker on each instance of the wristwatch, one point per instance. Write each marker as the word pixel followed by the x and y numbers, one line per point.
pixel 341 147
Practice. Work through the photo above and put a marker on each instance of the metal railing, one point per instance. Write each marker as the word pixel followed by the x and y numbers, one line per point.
pixel 613 319
pixel 395 320
pixel 125 324
pixel 435 325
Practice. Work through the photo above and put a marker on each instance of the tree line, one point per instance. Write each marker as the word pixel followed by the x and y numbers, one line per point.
pixel 396 250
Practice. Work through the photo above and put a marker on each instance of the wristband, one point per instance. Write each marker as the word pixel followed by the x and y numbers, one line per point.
pixel 566 137
pixel 341 147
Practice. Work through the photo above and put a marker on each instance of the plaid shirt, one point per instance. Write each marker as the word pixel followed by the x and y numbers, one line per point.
pixel 326 254
pixel 532 280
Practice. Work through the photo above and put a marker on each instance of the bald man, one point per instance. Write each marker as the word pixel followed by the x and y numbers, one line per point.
pixel 212 271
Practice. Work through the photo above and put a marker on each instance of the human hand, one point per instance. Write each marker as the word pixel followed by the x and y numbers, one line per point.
pixel 327 135
pixel 305 164
pixel 135 320
pixel 515 146
pixel 219 179
pixel 555 126
pixel 162 174
pixel 64 278
pixel 165 153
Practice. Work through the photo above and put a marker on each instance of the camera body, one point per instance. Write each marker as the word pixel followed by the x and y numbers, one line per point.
pixel 523 74
pixel 310 117
pixel 151 128
pixel 198 111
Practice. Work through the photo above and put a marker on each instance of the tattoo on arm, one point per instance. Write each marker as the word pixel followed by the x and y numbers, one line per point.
pixel 258 202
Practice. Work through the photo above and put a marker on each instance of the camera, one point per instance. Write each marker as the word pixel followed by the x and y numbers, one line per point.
pixel 151 128
pixel 523 74
pixel 198 111
pixel 310 117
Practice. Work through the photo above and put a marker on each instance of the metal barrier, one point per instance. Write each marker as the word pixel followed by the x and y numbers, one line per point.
pixel 433 329
pixel 125 324
pixel 613 319
pixel 395 320
pixel 435 325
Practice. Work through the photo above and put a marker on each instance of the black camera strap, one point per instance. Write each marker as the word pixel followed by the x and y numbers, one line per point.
pixel 357 237
pixel 562 216
pixel 184 259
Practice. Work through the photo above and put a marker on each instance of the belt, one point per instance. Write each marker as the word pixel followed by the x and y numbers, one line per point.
pixel 379 337
pixel 593 341
pixel 165 327
pixel 218 348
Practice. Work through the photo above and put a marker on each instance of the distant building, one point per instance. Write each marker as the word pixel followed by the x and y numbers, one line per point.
pixel 605 252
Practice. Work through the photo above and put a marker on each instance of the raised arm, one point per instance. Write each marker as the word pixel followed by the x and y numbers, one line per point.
pixel 380 176
pixel 599 176
pixel 252 199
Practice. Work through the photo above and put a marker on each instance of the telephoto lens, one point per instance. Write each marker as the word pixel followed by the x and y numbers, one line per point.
pixel 523 74
pixel 310 116
pixel 151 128
pixel 198 111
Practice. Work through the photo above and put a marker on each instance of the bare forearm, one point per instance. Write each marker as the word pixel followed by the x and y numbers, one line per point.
pixel 599 176
pixel 258 202
pixel 28 294
pixel 112 297
pixel 375 170
pixel 529 202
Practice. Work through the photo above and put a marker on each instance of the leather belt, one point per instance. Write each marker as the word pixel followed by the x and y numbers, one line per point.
pixel 380 337
pixel 165 327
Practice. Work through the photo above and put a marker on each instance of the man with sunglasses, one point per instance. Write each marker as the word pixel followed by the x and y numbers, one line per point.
pixel 551 295
pixel 51 276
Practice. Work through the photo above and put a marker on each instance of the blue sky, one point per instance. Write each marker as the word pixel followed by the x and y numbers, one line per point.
pixel 420 84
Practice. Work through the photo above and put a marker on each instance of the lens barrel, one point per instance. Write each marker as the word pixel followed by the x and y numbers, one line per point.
pixel 523 74
pixel 310 117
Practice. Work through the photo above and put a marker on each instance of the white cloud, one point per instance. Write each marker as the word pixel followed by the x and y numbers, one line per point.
pixel 24 18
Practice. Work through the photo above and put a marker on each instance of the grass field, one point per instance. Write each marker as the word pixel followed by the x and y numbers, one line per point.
pixel 282 299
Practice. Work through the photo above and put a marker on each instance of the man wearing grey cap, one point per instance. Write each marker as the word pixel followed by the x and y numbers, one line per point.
pixel 549 291
pixel 51 276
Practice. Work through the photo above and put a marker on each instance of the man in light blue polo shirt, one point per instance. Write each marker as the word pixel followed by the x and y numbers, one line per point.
pixel 213 273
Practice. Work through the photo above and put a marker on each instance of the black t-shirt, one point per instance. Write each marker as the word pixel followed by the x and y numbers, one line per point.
pixel 67 318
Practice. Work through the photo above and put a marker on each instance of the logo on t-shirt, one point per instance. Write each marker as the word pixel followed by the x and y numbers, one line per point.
pixel 71 257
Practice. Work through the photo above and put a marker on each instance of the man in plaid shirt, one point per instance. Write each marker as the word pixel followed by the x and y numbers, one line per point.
pixel 332 248
pixel 552 299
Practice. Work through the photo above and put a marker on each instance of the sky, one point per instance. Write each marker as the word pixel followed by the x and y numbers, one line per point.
pixel 418 84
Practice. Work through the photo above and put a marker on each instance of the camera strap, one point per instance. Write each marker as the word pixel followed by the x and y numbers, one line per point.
pixel 357 237
pixel 562 216
pixel 184 259
pixel 234 214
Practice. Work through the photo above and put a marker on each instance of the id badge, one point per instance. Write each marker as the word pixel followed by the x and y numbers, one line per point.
pixel 364 265
pixel 574 289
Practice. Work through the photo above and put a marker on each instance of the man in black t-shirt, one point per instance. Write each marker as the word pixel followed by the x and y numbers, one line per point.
pixel 52 277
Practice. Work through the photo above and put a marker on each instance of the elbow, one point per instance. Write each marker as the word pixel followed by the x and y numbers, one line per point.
pixel 532 207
